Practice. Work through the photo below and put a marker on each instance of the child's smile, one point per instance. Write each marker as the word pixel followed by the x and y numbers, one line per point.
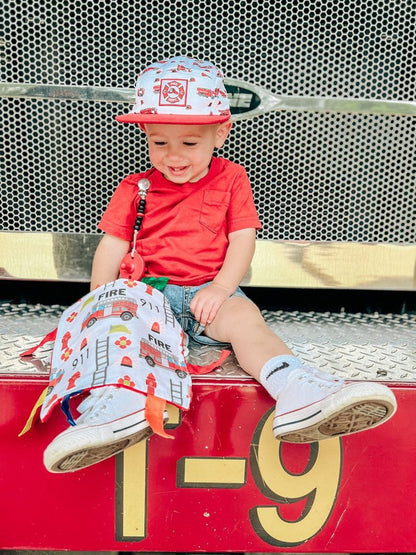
pixel 182 153
pixel 178 171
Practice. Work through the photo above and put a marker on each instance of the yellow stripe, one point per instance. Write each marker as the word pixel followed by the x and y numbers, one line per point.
pixel 220 471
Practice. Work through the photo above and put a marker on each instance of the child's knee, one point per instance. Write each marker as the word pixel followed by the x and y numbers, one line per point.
pixel 237 317
pixel 239 312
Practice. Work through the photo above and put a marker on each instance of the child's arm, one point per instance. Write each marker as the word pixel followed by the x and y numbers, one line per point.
pixel 107 260
pixel 207 301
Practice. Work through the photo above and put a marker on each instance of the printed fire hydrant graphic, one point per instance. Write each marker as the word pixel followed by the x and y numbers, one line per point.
pixel 124 333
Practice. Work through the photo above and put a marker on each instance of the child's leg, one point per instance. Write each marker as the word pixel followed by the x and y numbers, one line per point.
pixel 312 405
pixel 240 323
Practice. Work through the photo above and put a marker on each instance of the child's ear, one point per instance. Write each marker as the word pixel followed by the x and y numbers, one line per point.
pixel 222 133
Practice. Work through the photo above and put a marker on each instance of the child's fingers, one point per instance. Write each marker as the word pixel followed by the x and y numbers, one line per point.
pixel 201 309
pixel 202 313
pixel 194 307
pixel 208 315
pixel 206 304
pixel 210 312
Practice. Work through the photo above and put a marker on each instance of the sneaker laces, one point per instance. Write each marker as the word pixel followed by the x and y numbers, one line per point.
pixel 95 404
pixel 108 403
pixel 93 396
pixel 322 380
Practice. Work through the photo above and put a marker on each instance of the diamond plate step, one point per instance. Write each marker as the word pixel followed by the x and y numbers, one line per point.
pixel 355 346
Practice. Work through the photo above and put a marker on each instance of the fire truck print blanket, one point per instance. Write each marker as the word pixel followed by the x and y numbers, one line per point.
pixel 123 333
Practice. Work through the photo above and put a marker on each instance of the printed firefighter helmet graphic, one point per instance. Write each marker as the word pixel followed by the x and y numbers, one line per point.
pixel 180 90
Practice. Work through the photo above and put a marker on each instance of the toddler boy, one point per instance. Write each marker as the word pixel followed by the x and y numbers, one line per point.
pixel 199 230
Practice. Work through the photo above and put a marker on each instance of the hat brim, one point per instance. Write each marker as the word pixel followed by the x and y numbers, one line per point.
pixel 179 119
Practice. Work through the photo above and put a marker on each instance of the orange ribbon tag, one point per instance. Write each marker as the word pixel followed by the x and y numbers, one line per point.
pixel 154 409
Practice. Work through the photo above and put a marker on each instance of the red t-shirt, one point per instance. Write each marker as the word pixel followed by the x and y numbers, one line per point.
pixel 184 233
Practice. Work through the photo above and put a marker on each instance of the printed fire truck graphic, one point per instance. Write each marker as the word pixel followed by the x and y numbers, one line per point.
pixel 114 306
pixel 154 354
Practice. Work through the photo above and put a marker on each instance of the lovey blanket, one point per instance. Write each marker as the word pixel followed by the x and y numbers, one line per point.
pixel 123 333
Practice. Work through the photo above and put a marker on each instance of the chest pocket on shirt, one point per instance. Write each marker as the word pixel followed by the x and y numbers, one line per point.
pixel 214 209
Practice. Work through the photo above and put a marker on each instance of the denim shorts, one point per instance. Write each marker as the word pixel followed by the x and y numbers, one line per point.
pixel 180 298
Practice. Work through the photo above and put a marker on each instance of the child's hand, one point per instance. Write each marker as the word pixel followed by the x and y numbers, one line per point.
pixel 207 302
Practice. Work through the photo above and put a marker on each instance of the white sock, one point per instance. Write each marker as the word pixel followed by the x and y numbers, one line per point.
pixel 274 373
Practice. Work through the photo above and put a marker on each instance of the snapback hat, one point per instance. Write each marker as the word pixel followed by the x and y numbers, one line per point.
pixel 180 90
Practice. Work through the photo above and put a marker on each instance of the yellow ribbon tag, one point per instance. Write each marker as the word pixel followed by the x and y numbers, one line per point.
pixel 32 415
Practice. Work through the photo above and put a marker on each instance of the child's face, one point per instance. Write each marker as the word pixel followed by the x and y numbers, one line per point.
pixel 183 152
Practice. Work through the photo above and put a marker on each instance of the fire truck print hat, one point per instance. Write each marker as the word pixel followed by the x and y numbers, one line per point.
pixel 180 90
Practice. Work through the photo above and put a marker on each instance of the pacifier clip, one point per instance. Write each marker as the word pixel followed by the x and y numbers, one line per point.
pixel 132 266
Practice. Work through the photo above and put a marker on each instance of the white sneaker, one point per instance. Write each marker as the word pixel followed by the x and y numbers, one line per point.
pixel 112 419
pixel 314 405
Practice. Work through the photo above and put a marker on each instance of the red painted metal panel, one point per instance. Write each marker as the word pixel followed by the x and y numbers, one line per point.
pixel 221 485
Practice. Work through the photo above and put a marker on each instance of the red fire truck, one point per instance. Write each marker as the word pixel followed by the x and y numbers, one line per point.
pixel 157 356
pixel 115 306
pixel 334 272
